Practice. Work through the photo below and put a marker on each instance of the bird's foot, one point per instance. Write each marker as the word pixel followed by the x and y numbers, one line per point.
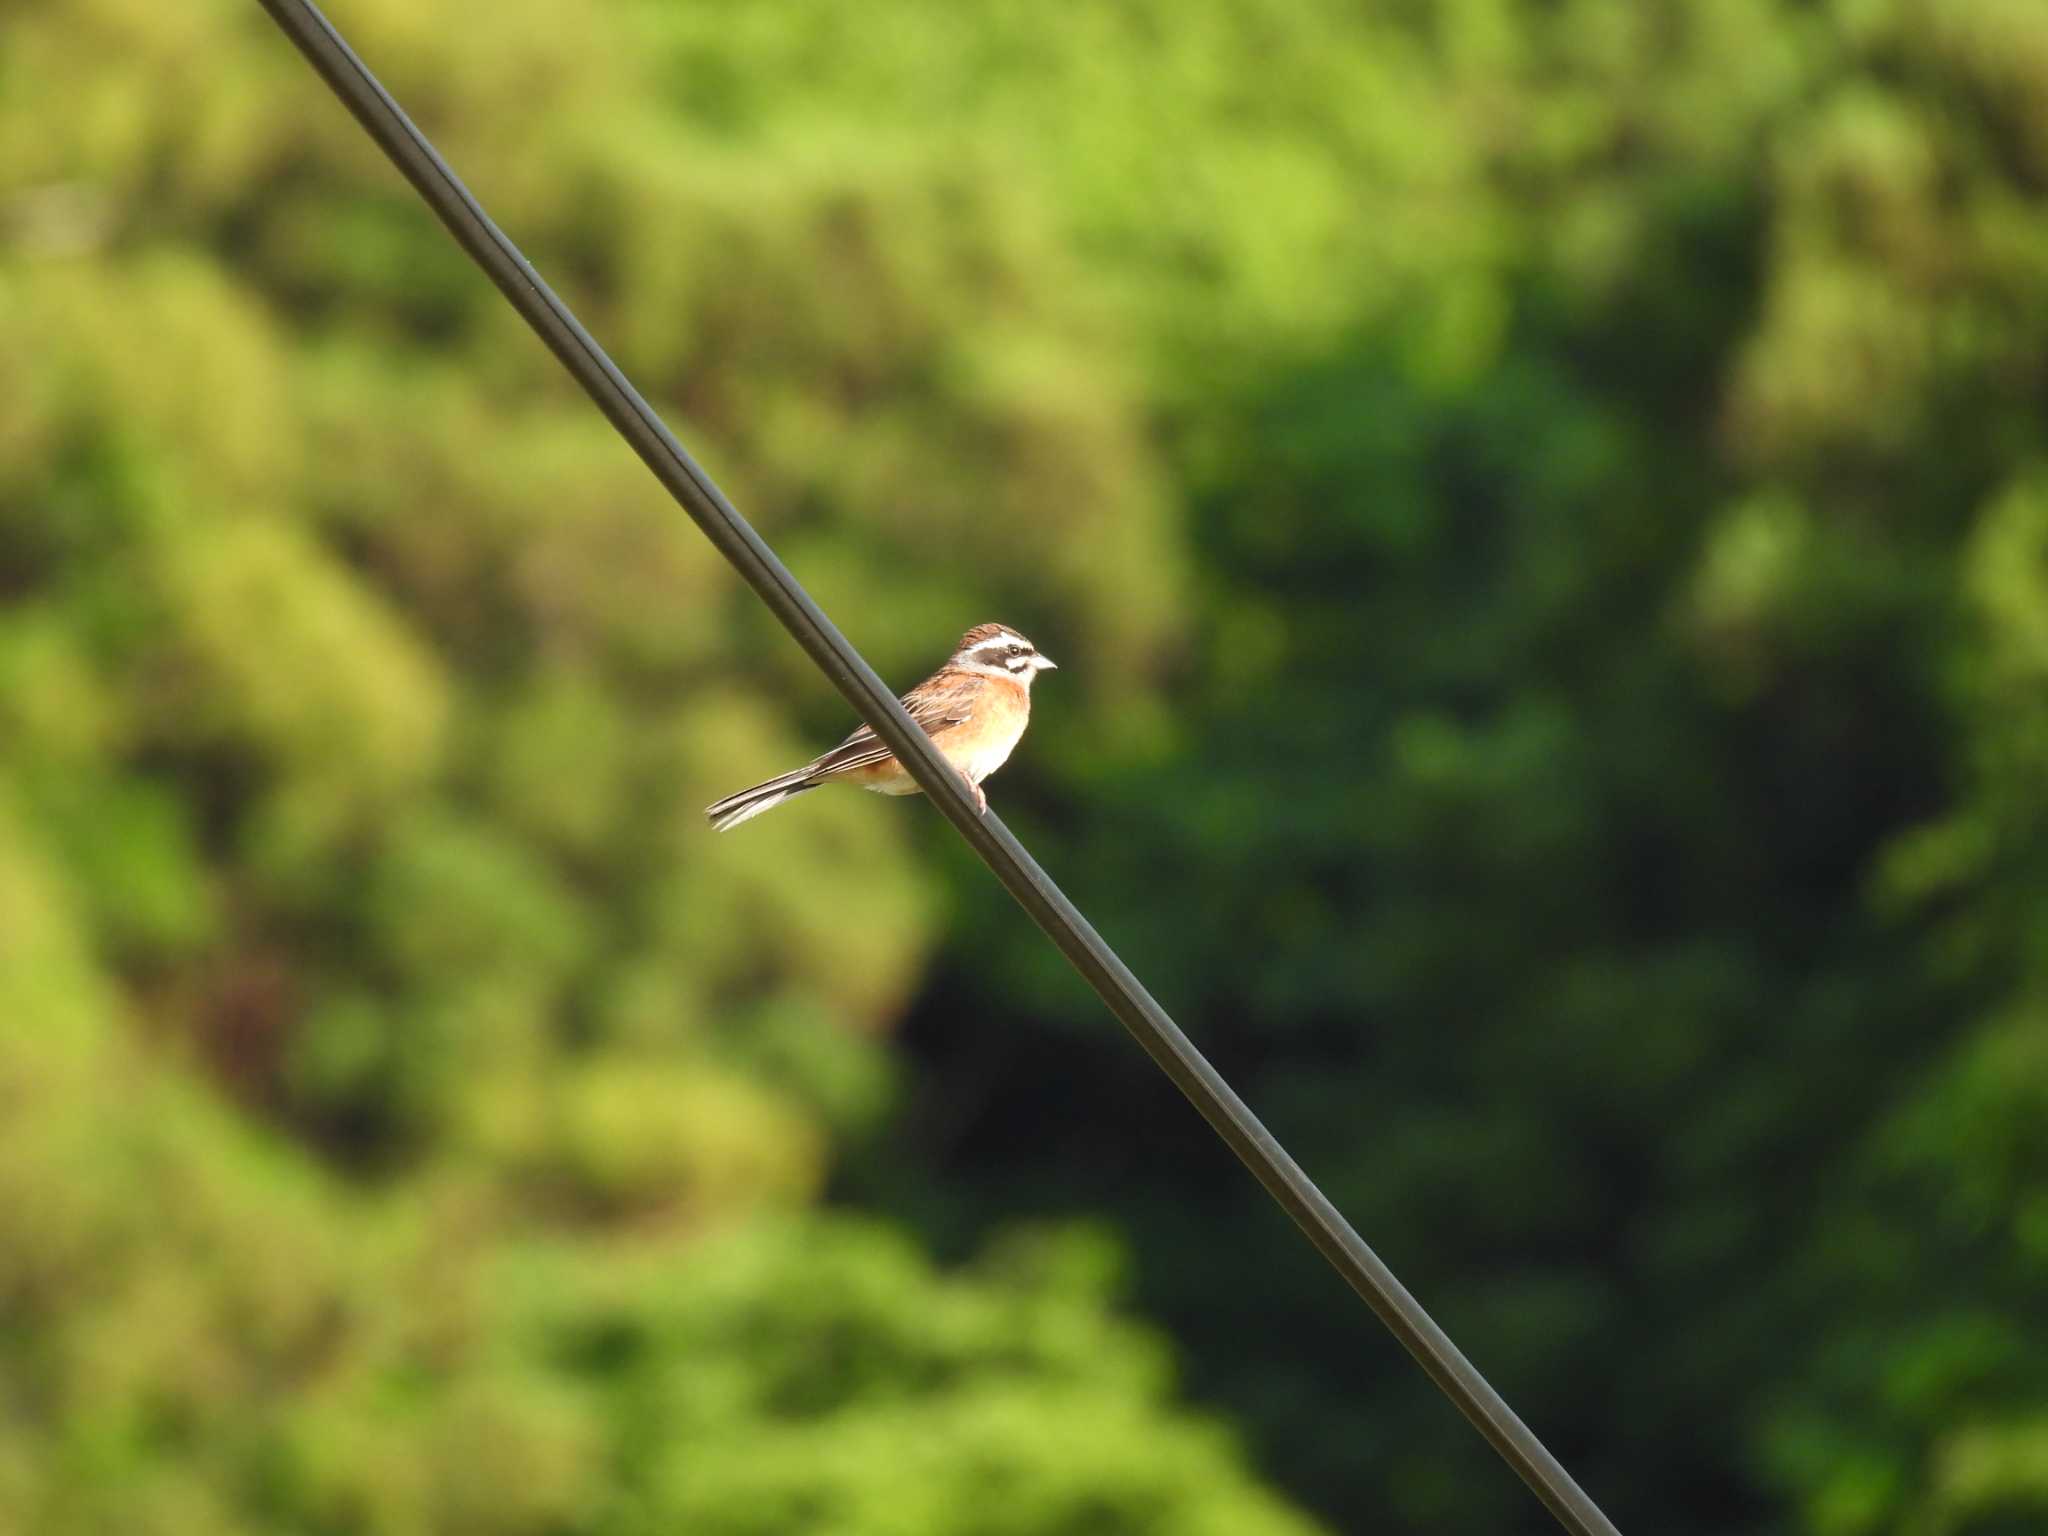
pixel 980 799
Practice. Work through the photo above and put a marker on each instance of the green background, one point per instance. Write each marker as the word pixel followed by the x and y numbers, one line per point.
pixel 1542 510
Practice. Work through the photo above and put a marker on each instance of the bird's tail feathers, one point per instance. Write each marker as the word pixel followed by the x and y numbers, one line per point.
pixel 749 803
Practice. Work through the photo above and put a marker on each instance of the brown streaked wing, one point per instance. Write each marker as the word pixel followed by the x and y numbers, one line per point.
pixel 935 704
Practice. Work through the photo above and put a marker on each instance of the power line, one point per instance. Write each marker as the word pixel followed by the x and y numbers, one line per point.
pixel 1227 1114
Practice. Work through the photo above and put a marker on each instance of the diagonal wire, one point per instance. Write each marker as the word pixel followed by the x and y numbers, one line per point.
pixel 1098 964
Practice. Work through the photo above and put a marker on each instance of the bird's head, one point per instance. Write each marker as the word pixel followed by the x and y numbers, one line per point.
pixel 999 650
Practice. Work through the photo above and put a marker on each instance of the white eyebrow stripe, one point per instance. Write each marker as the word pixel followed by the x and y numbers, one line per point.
pixel 992 653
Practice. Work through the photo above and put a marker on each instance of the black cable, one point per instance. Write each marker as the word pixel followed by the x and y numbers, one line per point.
pixel 1176 1055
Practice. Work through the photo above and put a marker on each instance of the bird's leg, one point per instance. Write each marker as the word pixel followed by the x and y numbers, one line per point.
pixel 980 799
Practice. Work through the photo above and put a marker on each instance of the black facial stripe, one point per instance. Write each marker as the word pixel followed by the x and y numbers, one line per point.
pixel 995 653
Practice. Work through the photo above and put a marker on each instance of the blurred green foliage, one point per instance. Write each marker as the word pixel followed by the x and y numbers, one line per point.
pixel 1543 510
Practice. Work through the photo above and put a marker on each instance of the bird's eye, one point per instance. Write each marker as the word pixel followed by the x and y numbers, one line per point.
pixel 1016 650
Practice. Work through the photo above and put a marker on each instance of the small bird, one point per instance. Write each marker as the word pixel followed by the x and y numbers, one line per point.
pixel 974 708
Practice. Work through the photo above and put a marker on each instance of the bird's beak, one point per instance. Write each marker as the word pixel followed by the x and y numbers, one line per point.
pixel 1045 664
